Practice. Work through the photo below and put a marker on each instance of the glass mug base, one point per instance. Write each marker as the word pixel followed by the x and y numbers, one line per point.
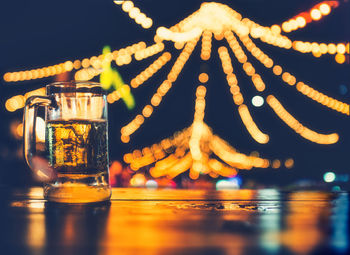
pixel 78 188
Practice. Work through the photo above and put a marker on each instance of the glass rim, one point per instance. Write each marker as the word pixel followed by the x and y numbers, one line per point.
pixel 75 87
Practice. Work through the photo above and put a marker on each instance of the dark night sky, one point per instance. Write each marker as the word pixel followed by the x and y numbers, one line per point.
pixel 40 33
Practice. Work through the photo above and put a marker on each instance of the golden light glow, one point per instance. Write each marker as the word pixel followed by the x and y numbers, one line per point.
pixel 289 163
pixel 301 87
pixel 316 13
pixel 211 18
pixel 135 14
pixel 230 76
pixel 149 51
pixel 325 9
pixel 91 65
pixel 341 48
pixel 277 70
pixel 247 66
pixel 173 156
pixel 340 58
pixel 322 98
pixel 150 70
pixel 203 77
pixel 86 74
pixel 197 127
pixel 167 34
pixel 206 45
pixel 196 148
pixel 191 148
pixel 276 29
pixel 247 120
pixel 252 128
pixel 118 94
pixel 17 102
pixel 297 126
pixel 134 125
pixel 317 49
pixel 276 163
pixel 301 21
pixel 332 48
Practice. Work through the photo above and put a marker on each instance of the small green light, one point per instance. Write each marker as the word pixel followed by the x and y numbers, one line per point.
pixel 111 79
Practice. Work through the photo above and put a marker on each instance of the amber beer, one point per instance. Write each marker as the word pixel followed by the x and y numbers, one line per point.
pixel 73 164
pixel 77 148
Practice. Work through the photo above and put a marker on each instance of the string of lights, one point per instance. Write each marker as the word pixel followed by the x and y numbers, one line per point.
pixel 135 13
pixel 150 70
pixel 272 35
pixel 149 51
pixel 154 67
pixel 206 45
pixel 251 126
pixel 95 61
pixel 173 156
pixel 291 80
pixel 191 27
pixel 135 124
pixel 247 66
pixel 244 113
pixel 300 129
pixel 191 150
pixel 118 94
pixel 317 12
pixel 319 49
pixel 266 34
pixel 17 102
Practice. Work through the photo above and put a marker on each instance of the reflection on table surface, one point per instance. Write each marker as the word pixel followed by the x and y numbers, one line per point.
pixel 141 221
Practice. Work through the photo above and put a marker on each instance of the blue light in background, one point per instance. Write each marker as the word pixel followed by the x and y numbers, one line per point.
pixel 339 219
pixel 230 183
pixel 343 89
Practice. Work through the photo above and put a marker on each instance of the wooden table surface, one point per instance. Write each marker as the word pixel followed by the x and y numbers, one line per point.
pixel 145 221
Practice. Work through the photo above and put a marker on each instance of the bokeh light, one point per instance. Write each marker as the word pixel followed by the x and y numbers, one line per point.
pixel 329 177
pixel 258 101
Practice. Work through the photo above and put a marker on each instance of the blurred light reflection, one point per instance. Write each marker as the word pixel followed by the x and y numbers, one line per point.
pixel 270 222
pixel 165 221
pixel 304 221
pixel 36 233
pixel 340 220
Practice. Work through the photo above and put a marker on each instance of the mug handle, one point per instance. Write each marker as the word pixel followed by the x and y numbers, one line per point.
pixel 37 163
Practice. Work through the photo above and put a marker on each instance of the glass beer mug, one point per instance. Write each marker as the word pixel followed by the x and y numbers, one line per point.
pixel 74 162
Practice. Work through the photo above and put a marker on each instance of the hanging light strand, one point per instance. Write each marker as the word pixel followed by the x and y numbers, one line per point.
pixel 233 158
pixel 17 102
pixel 244 113
pixel 197 126
pixel 247 66
pixel 135 13
pixel 301 20
pixel 135 124
pixel 150 70
pixel 251 126
pixel 206 45
pixel 149 51
pixel 300 129
pixel 230 76
pixel 94 62
pixel 319 49
pixel 291 80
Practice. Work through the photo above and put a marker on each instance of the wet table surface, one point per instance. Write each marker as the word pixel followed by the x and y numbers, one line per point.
pixel 143 221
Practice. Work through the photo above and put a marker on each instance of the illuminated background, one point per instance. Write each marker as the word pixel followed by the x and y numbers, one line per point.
pixel 41 33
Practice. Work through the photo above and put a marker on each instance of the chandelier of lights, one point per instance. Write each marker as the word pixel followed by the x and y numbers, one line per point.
pixel 196 148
